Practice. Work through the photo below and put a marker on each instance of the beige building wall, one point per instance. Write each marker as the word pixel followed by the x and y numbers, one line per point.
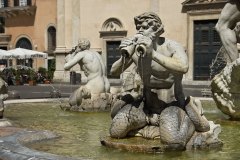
pixel 92 19
pixel 45 17
pixel 33 27
pixel 175 22
pixel 86 19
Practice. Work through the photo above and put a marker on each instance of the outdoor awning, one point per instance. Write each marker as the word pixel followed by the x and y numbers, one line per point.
pixel 5 54
pixel 20 53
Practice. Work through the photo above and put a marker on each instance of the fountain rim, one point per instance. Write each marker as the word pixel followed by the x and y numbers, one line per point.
pixel 12 101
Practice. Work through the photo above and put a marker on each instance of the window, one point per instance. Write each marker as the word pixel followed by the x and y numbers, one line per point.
pixel 2 25
pixel 29 2
pixel 205 35
pixel 22 2
pixel 4 3
pixel 24 43
pixel 16 2
pixel 112 56
pixel 51 34
pixel 206 46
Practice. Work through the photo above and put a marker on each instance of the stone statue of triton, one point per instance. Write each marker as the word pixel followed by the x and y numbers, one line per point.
pixel 161 63
pixel 228 19
pixel 94 69
pixel 225 85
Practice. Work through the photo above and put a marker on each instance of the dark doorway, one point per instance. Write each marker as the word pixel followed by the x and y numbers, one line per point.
pixel 206 45
pixel 113 55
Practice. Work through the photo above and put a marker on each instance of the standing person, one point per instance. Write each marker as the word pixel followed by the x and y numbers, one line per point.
pixel 228 19
pixel 94 69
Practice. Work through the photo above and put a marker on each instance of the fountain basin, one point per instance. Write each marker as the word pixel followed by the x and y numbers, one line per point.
pixel 80 133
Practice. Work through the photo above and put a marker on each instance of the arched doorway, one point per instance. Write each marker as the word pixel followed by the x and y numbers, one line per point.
pixel 24 43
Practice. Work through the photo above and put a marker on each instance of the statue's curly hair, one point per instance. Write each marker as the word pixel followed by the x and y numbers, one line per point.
pixel 150 16
pixel 84 43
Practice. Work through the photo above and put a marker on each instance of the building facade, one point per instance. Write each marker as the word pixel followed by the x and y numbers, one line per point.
pixel 106 22
pixel 29 24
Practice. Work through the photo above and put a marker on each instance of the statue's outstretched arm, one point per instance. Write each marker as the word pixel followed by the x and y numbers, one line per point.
pixel 177 63
pixel 73 60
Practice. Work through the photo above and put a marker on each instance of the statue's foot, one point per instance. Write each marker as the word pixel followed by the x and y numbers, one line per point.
pixel 195 112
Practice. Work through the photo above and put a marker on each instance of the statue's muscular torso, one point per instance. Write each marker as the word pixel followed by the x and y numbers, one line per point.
pixel 163 76
pixel 94 69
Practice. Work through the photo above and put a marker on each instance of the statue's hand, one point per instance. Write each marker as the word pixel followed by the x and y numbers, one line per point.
pixel 126 42
pixel 127 47
pixel 147 43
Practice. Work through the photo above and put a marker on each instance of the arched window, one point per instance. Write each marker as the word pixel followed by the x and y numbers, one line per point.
pixel 24 43
pixel 51 34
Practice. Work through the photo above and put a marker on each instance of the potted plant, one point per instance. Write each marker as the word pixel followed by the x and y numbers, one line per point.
pixel 32 77
pixel 49 77
pixel 18 77
pixel 50 71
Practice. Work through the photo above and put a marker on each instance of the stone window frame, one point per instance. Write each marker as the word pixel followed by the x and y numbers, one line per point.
pixel 112 27
pixel 106 34
pixel 191 17
pixel 51 47
pixel 198 10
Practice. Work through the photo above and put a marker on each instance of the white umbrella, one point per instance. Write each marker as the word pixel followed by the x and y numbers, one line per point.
pixel 5 54
pixel 21 53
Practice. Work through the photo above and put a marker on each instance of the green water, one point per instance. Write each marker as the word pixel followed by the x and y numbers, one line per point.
pixel 80 133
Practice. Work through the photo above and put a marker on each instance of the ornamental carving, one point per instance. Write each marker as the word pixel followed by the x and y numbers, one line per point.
pixel 112 24
pixel 112 27
pixel 202 5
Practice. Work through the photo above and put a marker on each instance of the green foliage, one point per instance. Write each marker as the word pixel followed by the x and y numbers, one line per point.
pixel 51 65
pixel 12 71
pixel 50 74
pixel 42 71
pixel 32 74
pixel 51 69
pixel 18 74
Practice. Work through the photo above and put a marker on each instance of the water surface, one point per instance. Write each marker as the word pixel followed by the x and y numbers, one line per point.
pixel 80 133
